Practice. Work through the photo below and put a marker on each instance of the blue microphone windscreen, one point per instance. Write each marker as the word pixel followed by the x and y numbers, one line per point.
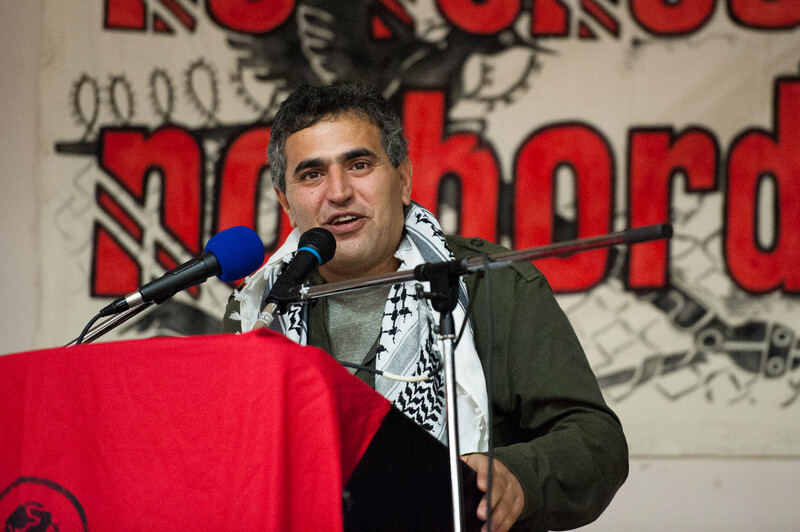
pixel 238 250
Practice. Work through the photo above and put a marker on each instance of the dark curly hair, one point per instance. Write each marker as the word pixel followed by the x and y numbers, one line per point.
pixel 308 105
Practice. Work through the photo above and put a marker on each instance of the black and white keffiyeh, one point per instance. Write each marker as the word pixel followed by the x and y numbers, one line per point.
pixel 407 344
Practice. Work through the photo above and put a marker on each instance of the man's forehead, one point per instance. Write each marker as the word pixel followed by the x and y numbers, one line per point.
pixel 335 135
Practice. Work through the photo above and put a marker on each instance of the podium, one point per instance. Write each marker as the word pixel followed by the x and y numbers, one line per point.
pixel 216 432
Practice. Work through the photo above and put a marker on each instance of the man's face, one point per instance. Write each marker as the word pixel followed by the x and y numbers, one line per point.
pixel 338 176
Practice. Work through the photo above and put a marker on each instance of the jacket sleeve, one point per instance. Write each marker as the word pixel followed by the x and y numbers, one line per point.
pixel 552 428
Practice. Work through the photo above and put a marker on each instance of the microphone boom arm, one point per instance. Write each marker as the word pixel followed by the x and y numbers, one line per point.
pixel 498 260
pixel 111 323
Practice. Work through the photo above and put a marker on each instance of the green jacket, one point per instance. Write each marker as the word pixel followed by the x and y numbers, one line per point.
pixel 552 428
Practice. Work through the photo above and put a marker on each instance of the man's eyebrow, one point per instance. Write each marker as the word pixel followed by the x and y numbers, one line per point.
pixel 315 162
pixel 308 163
pixel 356 153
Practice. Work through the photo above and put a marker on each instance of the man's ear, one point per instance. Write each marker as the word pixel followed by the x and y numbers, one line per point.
pixel 285 204
pixel 405 180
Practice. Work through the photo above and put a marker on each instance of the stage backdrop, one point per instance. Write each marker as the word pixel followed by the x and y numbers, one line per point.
pixel 529 121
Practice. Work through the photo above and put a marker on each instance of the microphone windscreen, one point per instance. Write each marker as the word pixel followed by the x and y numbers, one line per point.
pixel 238 250
pixel 321 240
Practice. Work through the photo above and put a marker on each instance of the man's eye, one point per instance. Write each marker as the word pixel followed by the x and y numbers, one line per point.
pixel 360 165
pixel 310 176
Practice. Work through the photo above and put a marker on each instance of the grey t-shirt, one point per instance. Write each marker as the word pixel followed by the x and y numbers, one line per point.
pixel 354 322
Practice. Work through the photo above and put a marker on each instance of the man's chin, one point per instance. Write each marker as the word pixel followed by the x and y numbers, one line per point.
pixel 341 268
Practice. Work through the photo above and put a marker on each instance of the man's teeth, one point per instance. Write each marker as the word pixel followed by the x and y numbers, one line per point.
pixel 343 219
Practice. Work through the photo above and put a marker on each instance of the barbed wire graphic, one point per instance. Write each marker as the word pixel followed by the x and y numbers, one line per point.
pixel 115 101
pixel 162 94
pixel 207 104
pixel 85 88
pixel 121 100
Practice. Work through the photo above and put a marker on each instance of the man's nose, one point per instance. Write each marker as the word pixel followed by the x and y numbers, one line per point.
pixel 340 187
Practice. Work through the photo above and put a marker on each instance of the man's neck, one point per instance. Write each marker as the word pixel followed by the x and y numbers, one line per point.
pixel 332 274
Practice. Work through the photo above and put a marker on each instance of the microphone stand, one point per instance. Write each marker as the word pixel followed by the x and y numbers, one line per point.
pixel 443 278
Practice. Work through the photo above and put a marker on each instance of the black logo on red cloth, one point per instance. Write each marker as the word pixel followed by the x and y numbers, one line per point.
pixel 32 504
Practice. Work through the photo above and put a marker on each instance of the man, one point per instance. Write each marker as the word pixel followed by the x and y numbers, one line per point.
pixel 339 160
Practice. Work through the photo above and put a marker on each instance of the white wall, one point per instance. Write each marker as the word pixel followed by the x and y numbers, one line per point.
pixel 709 495
pixel 19 40
pixel 660 495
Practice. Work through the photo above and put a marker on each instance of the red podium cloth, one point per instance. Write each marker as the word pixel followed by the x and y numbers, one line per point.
pixel 218 432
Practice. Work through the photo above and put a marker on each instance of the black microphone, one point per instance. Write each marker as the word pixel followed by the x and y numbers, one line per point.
pixel 315 247
pixel 230 254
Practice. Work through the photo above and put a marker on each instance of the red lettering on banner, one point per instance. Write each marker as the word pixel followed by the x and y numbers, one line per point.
pixel 245 159
pixel 380 29
pixel 754 156
pixel 132 15
pixel 589 156
pixel 245 162
pixel 656 157
pixel 250 16
pixel 180 13
pixel 766 14
pixel 114 271
pixel 599 14
pixel 125 14
pixel 664 17
pixel 483 17
pixel 549 18
pixel 118 213
pixel 131 157
pixel 433 157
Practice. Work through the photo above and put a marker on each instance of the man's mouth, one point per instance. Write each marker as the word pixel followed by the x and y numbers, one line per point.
pixel 345 223
pixel 344 219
